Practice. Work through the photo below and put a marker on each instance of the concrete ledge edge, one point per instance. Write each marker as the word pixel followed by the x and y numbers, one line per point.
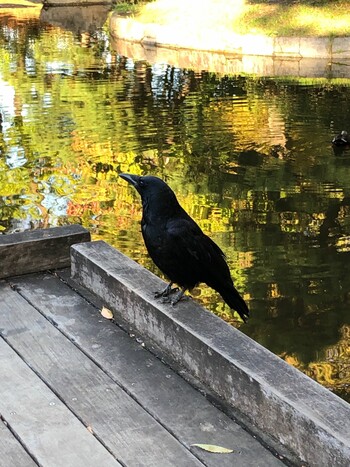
pixel 228 41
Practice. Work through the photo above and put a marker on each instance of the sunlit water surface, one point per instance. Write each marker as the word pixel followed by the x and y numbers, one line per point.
pixel 249 158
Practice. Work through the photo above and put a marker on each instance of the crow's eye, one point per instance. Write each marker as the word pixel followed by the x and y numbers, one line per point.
pixel 141 182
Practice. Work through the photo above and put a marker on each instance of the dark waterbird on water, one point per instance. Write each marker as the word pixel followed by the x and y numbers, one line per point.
pixel 178 246
pixel 341 140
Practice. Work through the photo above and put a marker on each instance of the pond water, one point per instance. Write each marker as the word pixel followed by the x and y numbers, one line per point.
pixel 249 158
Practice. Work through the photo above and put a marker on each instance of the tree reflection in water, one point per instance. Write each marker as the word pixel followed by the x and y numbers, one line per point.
pixel 250 159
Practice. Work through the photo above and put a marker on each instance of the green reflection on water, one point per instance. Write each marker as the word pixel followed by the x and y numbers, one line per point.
pixel 249 158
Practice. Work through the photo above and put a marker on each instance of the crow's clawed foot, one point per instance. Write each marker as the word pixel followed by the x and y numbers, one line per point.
pixel 166 292
pixel 166 299
pixel 179 296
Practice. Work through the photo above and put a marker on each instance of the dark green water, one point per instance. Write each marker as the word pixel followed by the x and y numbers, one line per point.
pixel 250 159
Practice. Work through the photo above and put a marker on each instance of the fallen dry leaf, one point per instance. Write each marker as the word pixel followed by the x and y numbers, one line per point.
pixel 90 429
pixel 213 448
pixel 106 313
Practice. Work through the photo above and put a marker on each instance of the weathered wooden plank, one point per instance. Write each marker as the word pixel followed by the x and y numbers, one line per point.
pixel 12 452
pixel 180 408
pixel 276 397
pixel 38 250
pixel 50 432
pixel 129 432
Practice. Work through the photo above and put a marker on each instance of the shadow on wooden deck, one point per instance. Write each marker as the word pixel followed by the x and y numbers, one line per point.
pixel 78 390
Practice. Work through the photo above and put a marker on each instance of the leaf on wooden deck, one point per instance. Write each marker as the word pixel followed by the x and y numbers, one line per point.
pixel 89 428
pixel 106 313
pixel 213 448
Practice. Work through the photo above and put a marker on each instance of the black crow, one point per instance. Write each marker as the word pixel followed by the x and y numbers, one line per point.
pixel 178 246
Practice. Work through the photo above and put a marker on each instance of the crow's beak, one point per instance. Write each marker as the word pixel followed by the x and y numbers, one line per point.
pixel 132 179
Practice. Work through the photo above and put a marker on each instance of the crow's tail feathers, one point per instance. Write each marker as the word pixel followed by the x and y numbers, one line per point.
pixel 235 301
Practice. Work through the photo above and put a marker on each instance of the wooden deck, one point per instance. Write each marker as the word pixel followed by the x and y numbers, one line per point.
pixel 78 390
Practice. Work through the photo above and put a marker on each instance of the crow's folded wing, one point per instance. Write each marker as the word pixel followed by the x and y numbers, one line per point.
pixel 201 260
pixel 189 256
pixel 192 241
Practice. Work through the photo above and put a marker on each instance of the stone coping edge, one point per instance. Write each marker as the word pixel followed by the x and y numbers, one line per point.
pixel 297 412
pixel 331 48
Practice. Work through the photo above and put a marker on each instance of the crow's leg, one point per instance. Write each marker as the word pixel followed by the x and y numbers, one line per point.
pixel 166 292
pixel 179 296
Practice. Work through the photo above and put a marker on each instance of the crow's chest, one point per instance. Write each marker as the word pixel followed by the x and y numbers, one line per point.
pixel 155 236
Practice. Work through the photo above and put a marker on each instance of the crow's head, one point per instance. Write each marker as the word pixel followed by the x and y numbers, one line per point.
pixel 147 185
pixel 158 199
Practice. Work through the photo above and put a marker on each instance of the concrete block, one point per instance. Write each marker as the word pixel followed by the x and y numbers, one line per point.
pixel 315 47
pixel 340 48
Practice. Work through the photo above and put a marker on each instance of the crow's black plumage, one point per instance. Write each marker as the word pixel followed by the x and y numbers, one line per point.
pixel 178 246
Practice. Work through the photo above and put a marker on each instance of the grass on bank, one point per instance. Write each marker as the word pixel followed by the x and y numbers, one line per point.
pixel 19 4
pixel 282 18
